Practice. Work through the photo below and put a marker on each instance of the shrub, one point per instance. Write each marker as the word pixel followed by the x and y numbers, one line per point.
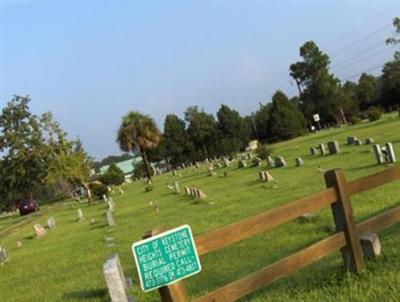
pixel 355 120
pixel 263 151
pixel 98 189
pixel 113 176
pixel 374 113
pixel 149 188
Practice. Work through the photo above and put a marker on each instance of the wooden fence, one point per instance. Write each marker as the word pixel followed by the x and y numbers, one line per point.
pixel 346 238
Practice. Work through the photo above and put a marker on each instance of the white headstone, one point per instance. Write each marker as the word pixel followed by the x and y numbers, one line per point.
pixel 39 230
pixel 80 215
pixel 390 153
pixel 51 223
pixel 176 187
pixel 3 255
pixel 115 279
pixel 299 162
pixel 378 154
pixel 110 219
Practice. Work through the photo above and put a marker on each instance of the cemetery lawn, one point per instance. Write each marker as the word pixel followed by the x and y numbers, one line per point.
pixel 66 264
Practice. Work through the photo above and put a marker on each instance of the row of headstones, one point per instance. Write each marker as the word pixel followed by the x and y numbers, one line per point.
pixel 352 140
pixel 195 193
pixel 333 148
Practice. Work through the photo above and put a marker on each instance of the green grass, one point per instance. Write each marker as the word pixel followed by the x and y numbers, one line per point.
pixel 66 265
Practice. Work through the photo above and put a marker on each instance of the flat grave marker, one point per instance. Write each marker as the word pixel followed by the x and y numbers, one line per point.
pixel 166 258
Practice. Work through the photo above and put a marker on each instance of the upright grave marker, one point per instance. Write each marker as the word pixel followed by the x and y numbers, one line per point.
pixel 321 148
pixel 390 153
pixel 166 258
pixel 80 215
pixel 3 255
pixel 378 154
pixel 176 188
pixel 115 279
pixel 333 147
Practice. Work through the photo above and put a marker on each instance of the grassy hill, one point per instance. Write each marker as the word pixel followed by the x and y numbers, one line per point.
pixel 66 264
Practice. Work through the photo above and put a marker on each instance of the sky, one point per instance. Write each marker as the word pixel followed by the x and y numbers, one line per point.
pixel 90 62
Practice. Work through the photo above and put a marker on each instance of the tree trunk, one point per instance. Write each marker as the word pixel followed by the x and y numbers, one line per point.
pixel 146 163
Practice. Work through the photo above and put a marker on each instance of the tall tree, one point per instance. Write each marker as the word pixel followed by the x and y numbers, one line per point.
pixel 368 91
pixel 175 139
pixel 21 141
pixel 286 121
pixel 233 130
pixel 391 82
pixel 261 118
pixel 202 133
pixel 138 132
pixel 319 90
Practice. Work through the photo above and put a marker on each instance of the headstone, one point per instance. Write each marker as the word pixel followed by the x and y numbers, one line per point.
pixel 371 245
pixel 122 191
pixel 369 141
pixel 110 219
pixel 105 198
pixel 321 148
pixel 351 140
pixel 265 176
pixel 378 154
pixel 200 194
pixel 242 164
pixel 207 160
pixel 19 243
pixel 92 221
pixel 80 215
pixel 3 255
pixel 256 161
pixel 390 153
pixel 219 165
pixel 39 230
pixel 280 162
pixel 226 162
pixel 358 142
pixel 51 223
pixel 110 206
pixel 115 279
pixel 299 162
pixel 176 187
pixel 197 165
pixel 333 147
pixel 187 191
pixel 270 161
pixel 313 151
pixel 174 173
pixel 211 170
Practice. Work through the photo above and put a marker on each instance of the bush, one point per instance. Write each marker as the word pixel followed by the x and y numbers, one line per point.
pixel 98 189
pixel 374 113
pixel 149 188
pixel 113 176
pixel 263 151
pixel 355 120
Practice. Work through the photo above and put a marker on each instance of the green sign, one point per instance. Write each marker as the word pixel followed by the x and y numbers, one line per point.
pixel 166 258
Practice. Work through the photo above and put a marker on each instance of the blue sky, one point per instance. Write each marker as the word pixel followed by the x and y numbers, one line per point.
pixel 89 62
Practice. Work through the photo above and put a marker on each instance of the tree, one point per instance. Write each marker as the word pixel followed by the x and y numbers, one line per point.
pixel 175 139
pixel 25 158
pixel 368 91
pixel 349 102
pixel 319 90
pixel 285 120
pixel 113 176
pixel 138 132
pixel 261 119
pixel 202 133
pixel 391 82
pixel 233 130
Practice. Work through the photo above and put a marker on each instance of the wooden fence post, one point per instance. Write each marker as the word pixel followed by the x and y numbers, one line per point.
pixel 171 293
pixel 343 216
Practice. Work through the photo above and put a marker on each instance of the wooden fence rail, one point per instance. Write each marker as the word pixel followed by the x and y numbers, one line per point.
pixel 346 238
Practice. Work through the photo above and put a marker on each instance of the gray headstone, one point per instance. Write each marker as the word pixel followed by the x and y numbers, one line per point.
pixel 270 161
pixel 313 151
pixel 299 162
pixel 371 245
pixel 3 255
pixel 333 147
pixel 369 141
pixel 280 162
pixel 115 279
pixel 242 164
pixel 390 153
pixel 105 198
pixel 351 140
pixel 110 219
pixel 257 161
pixel 51 223
pixel 378 154
pixel 321 148
pixel 176 187
pixel 80 215
pixel 358 142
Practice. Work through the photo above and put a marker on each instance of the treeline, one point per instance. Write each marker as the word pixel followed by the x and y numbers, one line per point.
pixel 37 158
pixel 200 135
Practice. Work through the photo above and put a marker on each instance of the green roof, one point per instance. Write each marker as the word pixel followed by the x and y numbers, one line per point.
pixel 127 166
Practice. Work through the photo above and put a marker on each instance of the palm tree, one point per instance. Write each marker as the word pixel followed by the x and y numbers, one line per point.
pixel 138 132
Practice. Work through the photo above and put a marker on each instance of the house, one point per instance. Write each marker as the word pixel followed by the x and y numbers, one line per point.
pixel 127 166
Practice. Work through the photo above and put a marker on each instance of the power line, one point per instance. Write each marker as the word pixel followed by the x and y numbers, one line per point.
pixel 365 71
pixel 363 59
pixel 361 40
